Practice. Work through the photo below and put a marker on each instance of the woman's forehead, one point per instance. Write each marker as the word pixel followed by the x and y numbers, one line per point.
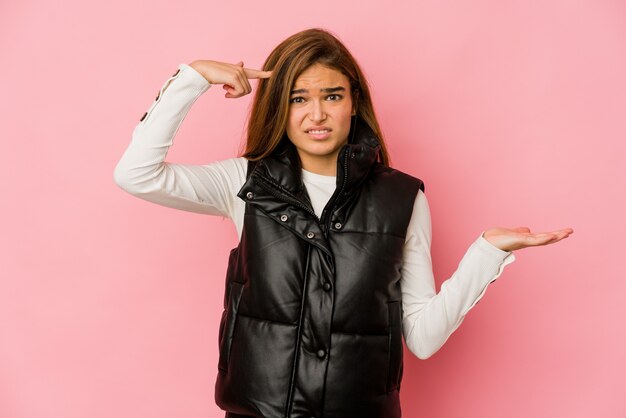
pixel 319 76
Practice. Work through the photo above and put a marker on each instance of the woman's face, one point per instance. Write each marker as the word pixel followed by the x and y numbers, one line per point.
pixel 320 109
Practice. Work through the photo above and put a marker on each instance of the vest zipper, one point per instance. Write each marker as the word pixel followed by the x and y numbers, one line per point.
pixel 336 195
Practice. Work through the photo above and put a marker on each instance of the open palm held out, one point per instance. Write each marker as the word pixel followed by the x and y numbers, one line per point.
pixel 517 238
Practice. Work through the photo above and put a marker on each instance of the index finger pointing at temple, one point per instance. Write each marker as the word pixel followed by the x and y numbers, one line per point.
pixel 250 73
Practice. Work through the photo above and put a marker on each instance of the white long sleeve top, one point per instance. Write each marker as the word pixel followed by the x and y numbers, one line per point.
pixel 429 318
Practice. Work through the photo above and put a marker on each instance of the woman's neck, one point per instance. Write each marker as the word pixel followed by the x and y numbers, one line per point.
pixel 325 166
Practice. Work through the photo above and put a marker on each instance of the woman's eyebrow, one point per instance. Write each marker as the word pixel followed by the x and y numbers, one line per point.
pixel 326 90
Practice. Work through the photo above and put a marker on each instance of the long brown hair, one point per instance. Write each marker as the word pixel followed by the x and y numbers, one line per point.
pixel 269 114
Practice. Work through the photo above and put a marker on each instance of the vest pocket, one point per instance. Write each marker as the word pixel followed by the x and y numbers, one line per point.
pixel 395 364
pixel 227 323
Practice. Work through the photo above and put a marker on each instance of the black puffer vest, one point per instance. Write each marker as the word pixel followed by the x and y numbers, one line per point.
pixel 312 321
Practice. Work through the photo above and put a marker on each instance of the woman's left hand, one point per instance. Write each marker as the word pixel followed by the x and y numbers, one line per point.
pixel 517 238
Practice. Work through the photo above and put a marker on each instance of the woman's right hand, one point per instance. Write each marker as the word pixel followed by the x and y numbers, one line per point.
pixel 234 77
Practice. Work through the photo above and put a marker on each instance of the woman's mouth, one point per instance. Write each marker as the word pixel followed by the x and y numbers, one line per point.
pixel 319 133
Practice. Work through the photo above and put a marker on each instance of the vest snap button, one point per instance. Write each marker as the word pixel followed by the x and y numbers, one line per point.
pixel 283 218
pixel 249 195
pixel 310 235
pixel 327 286
pixel 321 353
pixel 338 225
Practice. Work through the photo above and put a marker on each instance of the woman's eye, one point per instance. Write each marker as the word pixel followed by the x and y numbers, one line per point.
pixel 331 97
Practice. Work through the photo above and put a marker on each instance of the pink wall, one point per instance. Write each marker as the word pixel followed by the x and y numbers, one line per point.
pixel 512 112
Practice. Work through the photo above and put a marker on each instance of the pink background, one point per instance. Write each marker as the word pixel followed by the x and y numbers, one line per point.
pixel 512 112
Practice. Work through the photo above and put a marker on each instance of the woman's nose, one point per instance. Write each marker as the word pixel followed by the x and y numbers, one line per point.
pixel 317 112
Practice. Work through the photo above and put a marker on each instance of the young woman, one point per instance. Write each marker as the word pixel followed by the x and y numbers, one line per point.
pixel 333 265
